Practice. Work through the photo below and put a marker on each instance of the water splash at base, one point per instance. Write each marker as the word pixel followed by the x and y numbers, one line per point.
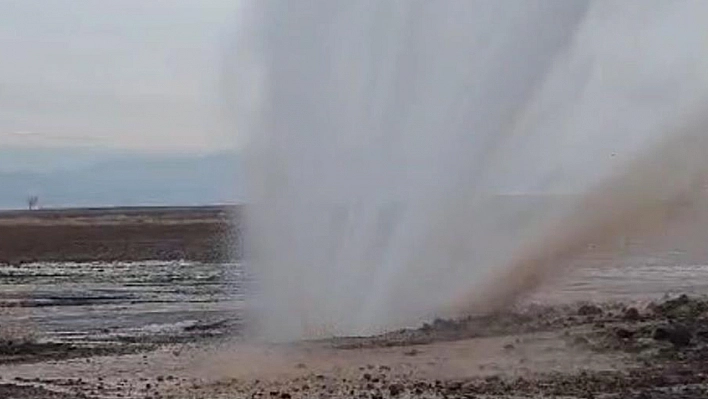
pixel 408 158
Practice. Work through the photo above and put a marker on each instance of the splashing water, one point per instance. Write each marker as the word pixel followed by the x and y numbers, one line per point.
pixel 414 158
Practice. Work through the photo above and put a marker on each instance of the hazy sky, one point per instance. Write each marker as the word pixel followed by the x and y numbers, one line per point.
pixel 126 74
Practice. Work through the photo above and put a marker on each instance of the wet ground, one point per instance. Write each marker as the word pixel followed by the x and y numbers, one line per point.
pixel 633 274
pixel 160 301
pixel 613 326
pixel 581 351
pixel 110 306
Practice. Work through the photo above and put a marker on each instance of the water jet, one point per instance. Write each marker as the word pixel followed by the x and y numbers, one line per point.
pixel 412 159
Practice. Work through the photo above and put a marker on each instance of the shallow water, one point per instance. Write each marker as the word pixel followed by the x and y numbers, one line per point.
pixel 129 300
pixel 97 301
pixel 629 276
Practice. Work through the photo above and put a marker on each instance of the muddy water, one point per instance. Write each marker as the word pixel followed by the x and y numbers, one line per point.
pixel 107 301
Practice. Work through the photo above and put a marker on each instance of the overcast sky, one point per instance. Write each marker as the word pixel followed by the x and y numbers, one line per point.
pixel 124 74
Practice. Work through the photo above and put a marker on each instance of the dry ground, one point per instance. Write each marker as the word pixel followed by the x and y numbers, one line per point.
pixel 119 234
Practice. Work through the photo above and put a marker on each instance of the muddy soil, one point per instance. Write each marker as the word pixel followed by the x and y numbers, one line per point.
pixel 658 350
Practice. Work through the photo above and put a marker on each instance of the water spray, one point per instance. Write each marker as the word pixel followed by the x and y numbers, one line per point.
pixel 408 159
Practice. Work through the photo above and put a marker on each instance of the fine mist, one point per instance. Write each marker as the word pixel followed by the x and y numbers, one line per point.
pixel 408 159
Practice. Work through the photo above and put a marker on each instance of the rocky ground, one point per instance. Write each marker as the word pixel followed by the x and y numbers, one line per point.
pixel 651 351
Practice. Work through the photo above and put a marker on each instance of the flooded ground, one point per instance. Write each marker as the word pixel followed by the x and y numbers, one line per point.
pixel 158 301
pixel 161 329
pixel 69 302
pixel 627 278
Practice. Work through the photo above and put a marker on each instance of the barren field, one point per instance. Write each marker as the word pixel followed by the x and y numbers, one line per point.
pixel 119 234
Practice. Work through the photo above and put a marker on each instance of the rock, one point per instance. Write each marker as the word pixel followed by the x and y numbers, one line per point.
pixel 681 336
pixel 395 389
pixel 680 312
pixel 680 308
pixel 680 301
pixel 589 310
pixel 623 333
pixel 454 386
pixel 632 314
pixel 678 335
pixel 412 352
pixel 661 334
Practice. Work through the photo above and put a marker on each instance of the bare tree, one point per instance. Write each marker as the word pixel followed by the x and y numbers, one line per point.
pixel 32 202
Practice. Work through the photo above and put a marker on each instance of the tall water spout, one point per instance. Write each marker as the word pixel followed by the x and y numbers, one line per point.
pixel 412 158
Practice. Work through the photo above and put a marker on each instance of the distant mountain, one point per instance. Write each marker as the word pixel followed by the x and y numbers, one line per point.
pixel 68 178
